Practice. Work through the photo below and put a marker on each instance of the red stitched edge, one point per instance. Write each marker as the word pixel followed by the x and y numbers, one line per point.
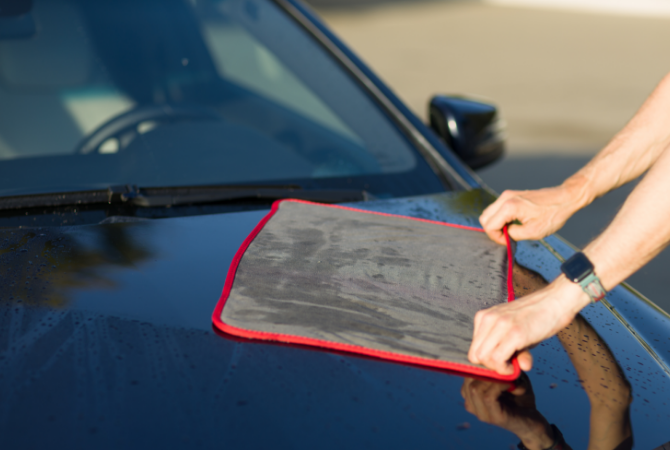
pixel 262 335
pixel 510 267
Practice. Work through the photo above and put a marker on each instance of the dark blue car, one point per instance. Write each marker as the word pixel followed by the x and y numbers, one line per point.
pixel 140 143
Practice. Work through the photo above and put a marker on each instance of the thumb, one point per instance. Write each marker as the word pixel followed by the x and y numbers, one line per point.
pixel 525 360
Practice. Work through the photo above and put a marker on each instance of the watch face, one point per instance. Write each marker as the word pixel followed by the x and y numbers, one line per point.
pixel 577 267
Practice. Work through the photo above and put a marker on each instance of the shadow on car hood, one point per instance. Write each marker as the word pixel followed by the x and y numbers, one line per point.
pixel 106 342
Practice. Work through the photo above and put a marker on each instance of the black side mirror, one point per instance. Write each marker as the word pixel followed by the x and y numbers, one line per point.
pixel 471 128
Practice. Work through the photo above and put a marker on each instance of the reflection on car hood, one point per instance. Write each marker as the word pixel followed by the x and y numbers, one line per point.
pixel 106 342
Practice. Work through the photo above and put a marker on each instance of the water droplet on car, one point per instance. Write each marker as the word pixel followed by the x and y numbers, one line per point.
pixel 463 426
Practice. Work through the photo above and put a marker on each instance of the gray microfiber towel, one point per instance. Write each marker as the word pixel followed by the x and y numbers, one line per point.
pixel 392 287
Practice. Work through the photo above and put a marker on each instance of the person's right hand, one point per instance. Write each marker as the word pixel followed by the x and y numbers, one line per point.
pixel 541 213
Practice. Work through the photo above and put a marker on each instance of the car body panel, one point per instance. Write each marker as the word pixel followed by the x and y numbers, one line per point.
pixel 107 342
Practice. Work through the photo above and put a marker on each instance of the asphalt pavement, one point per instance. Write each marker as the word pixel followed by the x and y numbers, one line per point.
pixel 565 81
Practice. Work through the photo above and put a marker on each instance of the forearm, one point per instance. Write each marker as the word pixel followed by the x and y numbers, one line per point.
pixel 639 231
pixel 632 151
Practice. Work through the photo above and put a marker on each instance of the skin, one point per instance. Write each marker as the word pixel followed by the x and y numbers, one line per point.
pixel 637 234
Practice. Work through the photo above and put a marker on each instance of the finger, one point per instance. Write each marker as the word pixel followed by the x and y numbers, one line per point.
pixel 497 236
pixel 525 360
pixel 494 224
pixel 516 231
pixel 478 323
pixel 493 231
pixel 493 208
pixel 520 386
pixel 528 230
pixel 481 330
pixel 500 357
pixel 493 391
pixel 479 407
pixel 518 390
pixel 490 398
pixel 498 202
pixel 466 391
pixel 490 331
pixel 464 387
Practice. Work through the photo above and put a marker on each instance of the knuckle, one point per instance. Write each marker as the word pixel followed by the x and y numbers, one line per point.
pixel 515 333
pixel 469 408
pixel 514 202
pixel 506 322
pixel 491 321
pixel 474 389
pixel 508 208
pixel 482 357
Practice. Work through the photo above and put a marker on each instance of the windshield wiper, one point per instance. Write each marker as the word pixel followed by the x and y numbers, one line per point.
pixel 188 195
pixel 175 196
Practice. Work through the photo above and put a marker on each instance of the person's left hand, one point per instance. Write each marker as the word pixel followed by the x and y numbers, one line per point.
pixel 503 330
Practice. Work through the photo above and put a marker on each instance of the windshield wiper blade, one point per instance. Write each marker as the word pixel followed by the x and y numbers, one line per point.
pixel 187 195
pixel 175 196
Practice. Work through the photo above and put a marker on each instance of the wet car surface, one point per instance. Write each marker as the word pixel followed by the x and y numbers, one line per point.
pixel 107 289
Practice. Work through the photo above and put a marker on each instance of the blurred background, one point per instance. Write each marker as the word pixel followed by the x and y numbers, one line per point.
pixel 565 74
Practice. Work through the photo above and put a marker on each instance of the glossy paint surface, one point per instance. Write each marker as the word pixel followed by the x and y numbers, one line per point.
pixel 106 342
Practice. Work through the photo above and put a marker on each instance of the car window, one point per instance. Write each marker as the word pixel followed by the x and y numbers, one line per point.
pixel 241 58
pixel 175 93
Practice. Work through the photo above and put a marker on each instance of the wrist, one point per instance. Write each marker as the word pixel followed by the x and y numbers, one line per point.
pixel 571 295
pixel 602 263
pixel 540 438
pixel 578 189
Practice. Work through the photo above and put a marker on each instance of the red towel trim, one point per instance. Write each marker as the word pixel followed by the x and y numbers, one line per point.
pixel 510 267
pixel 349 348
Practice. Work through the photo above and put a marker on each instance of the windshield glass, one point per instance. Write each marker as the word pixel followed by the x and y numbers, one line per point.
pixel 183 93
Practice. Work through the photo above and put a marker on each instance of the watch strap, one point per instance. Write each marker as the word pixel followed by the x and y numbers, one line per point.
pixel 580 270
pixel 593 287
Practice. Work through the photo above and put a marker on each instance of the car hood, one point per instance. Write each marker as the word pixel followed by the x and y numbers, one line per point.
pixel 106 341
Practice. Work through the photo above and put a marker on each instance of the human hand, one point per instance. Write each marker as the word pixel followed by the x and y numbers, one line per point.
pixel 514 411
pixel 541 213
pixel 503 330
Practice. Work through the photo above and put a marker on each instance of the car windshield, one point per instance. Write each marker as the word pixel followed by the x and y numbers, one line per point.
pixel 162 93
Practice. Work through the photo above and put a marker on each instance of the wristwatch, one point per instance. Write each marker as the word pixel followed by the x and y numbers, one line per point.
pixel 579 269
